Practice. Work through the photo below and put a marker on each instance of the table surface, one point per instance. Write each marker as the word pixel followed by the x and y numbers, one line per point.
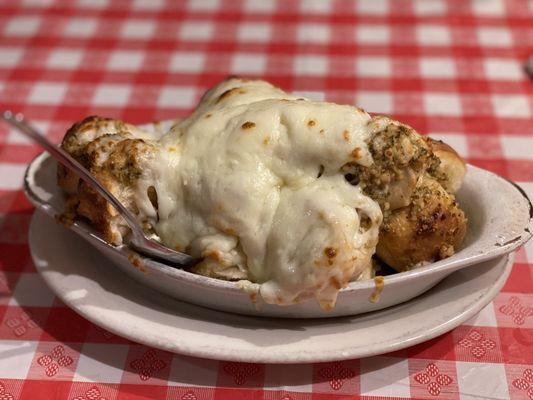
pixel 453 69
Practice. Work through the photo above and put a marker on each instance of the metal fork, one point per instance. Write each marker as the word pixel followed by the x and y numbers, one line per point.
pixel 139 241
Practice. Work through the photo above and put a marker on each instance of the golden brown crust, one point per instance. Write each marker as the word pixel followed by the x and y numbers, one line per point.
pixel 451 164
pixel 111 153
pixel 429 229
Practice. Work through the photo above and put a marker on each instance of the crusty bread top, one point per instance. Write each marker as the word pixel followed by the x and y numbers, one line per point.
pixel 451 163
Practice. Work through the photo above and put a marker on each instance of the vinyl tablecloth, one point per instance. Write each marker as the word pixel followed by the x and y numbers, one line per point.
pixel 453 69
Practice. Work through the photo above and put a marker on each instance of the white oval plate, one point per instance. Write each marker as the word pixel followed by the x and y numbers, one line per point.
pixel 87 282
pixel 499 220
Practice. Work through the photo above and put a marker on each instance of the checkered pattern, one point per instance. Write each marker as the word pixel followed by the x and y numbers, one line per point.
pixel 453 69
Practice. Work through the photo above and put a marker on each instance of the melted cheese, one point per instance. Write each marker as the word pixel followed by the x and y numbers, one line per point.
pixel 238 182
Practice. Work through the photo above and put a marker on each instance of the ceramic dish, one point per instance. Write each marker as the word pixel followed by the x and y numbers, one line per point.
pixel 499 221
pixel 87 282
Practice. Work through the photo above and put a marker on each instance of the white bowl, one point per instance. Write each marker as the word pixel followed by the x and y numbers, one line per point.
pixel 500 220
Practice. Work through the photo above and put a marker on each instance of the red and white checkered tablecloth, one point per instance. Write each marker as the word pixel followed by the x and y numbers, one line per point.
pixel 453 69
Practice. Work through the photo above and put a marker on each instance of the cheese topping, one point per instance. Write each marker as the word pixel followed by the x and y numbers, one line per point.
pixel 252 180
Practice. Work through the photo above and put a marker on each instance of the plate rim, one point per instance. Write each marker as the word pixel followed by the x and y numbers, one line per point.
pixel 207 352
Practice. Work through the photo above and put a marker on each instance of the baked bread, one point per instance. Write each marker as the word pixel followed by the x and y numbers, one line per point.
pixel 413 178
pixel 452 166
pixel 115 154
pixel 430 228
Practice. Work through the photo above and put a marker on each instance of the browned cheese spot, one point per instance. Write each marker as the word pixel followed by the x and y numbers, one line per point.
pixel 346 135
pixel 330 253
pixel 253 297
pixel 321 131
pixel 213 254
pixel 335 283
pixel 136 261
pixel 266 141
pixel 357 153
pixel 228 93
pixel 311 123
pixel 248 125
pixel 379 283
pixel 208 115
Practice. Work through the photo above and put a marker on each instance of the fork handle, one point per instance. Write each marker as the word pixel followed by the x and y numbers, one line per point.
pixel 18 121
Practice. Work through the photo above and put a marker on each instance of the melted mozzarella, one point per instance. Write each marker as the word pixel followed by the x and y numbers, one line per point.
pixel 238 183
